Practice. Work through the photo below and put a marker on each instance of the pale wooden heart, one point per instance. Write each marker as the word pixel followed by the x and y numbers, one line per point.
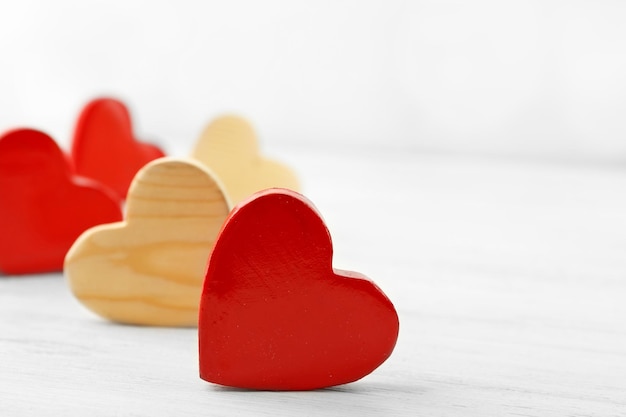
pixel 229 147
pixel 149 268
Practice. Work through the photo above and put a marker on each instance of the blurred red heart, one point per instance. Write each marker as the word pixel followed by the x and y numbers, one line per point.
pixel 104 147
pixel 43 206
pixel 274 315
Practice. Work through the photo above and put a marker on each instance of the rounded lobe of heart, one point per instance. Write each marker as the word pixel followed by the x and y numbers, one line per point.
pixel 229 146
pixel 104 147
pixel 274 315
pixel 44 208
pixel 149 269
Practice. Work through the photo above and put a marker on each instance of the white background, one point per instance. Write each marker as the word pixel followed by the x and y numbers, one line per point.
pixel 542 78
pixel 508 276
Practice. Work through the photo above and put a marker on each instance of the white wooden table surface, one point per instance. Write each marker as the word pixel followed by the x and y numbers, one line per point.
pixel 509 279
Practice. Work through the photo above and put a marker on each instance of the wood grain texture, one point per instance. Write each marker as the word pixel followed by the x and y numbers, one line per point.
pixel 229 147
pixel 149 268
pixel 508 278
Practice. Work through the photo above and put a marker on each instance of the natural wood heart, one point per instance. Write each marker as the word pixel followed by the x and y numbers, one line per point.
pixel 44 207
pixel 274 315
pixel 104 147
pixel 229 147
pixel 149 268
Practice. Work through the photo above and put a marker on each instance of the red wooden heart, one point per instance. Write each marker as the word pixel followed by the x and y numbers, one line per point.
pixel 274 315
pixel 43 207
pixel 104 147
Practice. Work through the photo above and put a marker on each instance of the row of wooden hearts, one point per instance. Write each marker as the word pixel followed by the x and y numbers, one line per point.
pixel 258 280
pixel 273 314
pixel 45 206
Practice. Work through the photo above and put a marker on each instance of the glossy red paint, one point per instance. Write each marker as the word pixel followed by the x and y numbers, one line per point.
pixel 274 315
pixel 43 206
pixel 104 147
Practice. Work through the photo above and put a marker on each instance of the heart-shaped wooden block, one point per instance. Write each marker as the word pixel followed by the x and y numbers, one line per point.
pixel 229 147
pixel 104 147
pixel 149 269
pixel 43 206
pixel 274 315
